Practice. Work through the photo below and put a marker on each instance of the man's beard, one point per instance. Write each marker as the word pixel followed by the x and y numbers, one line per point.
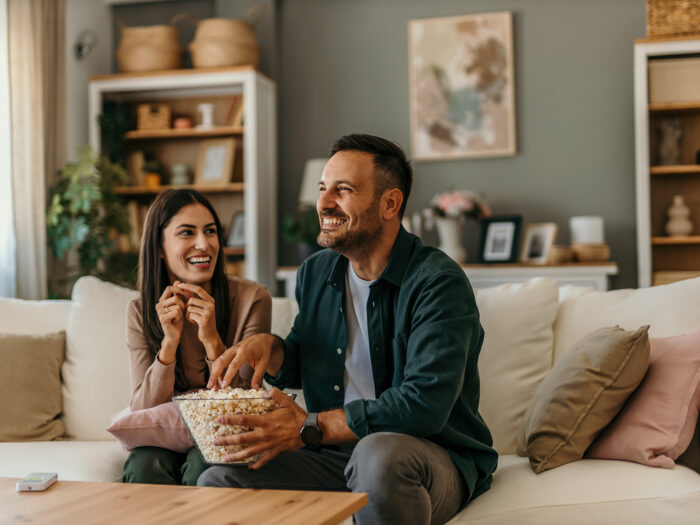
pixel 358 241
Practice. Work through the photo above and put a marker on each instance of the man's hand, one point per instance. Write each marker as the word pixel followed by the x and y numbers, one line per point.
pixel 264 352
pixel 275 432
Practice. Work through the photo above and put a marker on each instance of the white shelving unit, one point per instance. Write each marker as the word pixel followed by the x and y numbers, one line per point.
pixel 259 136
pixel 658 255
pixel 594 275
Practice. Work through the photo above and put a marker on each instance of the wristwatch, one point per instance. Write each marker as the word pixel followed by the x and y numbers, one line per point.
pixel 310 433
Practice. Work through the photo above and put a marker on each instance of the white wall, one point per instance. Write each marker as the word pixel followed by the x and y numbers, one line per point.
pixel 83 15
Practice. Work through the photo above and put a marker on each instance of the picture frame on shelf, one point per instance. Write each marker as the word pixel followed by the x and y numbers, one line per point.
pixel 537 243
pixel 215 162
pixel 236 231
pixel 500 237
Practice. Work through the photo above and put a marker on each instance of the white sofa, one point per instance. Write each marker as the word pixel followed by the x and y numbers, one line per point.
pixel 528 327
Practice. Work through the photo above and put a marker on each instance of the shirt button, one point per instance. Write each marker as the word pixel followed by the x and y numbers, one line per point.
pixel 336 388
pixel 340 351
pixel 372 304
pixel 341 309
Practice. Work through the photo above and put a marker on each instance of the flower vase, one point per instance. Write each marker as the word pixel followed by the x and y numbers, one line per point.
pixel 450 232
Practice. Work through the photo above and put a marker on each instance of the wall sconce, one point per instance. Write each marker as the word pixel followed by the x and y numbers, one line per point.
pixel 86 41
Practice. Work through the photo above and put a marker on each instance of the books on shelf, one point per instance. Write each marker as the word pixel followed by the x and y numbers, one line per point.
pixel 134 164
pixel 137 216
pixel 234 114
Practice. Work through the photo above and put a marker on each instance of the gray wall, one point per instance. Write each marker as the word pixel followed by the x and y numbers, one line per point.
pixel 344 68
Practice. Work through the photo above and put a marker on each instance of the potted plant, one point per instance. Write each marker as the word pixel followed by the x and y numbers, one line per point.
pixel 86 215
pixel 302 229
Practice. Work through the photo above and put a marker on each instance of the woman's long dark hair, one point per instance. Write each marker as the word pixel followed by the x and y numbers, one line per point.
pixel 153 273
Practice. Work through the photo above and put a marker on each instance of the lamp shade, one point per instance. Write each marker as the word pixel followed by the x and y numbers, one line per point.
pixel 308 193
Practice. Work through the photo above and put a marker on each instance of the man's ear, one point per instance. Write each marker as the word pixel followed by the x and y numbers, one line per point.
pixel 391 203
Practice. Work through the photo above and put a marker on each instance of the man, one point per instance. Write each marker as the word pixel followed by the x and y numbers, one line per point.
pixel 385 347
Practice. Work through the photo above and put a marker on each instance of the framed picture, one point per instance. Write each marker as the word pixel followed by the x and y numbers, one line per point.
pixel 500 237
pixel 538 242
pixel 215 163
pixel 236 231
pixel 462 88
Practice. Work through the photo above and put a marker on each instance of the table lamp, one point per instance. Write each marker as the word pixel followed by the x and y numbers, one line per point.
pixel 308 193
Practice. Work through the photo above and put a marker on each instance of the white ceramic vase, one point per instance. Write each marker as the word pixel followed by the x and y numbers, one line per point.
pixel 450 232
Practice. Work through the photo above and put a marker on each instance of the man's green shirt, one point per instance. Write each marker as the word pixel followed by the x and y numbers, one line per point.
pixel 425 338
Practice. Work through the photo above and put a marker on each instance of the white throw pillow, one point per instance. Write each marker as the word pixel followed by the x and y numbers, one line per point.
pixel 671 309
pixel 516 355
pixel 96 368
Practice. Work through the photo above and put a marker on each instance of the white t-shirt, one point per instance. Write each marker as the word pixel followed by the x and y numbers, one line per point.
pixel 358 378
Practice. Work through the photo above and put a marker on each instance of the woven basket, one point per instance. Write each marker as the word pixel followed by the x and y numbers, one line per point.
pixel 150 48
pixel 560 254
pixel 220 42
pixel 669 18
pixel 153 116
pixel 591 252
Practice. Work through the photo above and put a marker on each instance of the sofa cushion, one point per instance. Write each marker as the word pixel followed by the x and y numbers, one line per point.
pixel 18 316
pixel 72 460
pixel 516 354
pixel 657 422
pixel 30 374
pixel 96 369
pixel 159 426
pixel 585 492
pixel 284 310
pixel 671 309
pixel 582 394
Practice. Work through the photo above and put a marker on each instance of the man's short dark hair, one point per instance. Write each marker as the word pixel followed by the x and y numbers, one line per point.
pixel 391 167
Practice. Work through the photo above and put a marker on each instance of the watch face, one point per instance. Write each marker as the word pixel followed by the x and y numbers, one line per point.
pixel 311 435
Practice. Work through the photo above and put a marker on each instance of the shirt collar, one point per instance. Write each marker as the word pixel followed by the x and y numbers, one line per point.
pixel 394 270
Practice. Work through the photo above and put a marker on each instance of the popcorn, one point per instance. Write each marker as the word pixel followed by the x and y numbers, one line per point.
pixel 200 409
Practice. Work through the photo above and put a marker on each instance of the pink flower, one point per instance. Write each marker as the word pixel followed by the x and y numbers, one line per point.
pixel 459 204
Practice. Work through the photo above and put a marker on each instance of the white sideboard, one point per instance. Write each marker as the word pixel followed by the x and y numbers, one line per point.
pixel 487 275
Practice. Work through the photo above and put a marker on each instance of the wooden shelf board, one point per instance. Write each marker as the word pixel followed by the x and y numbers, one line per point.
pixel 143 190
pixel 170 72
pixel 217 131
pixel 674 106
pixel 662 241
pixel 229 250
pixel 671 170
pixel 665 38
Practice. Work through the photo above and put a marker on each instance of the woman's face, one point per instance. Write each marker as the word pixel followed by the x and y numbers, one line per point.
pixel 190 245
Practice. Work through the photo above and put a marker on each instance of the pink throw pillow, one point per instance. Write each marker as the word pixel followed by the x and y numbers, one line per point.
pixel 160 426
pixel 657 423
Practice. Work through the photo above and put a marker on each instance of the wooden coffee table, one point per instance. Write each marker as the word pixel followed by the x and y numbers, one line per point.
pixel 78 503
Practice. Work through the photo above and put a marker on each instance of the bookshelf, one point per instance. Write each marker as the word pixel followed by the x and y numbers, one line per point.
pixel 252 185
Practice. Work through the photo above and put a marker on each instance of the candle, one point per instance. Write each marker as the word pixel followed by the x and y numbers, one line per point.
pixel 588 230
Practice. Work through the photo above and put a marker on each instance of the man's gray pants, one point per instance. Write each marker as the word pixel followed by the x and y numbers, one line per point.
pixel 408 479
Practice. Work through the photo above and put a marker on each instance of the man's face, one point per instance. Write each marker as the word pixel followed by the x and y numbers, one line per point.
pixel 348 209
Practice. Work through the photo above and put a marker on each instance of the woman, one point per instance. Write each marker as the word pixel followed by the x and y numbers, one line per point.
pixel 189 312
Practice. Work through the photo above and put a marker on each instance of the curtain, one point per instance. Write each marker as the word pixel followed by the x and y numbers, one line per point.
pixel 8 272
pixel 37 65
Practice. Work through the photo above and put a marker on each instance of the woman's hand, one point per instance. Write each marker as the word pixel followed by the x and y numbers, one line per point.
pixel 170 309
pixel 200 309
